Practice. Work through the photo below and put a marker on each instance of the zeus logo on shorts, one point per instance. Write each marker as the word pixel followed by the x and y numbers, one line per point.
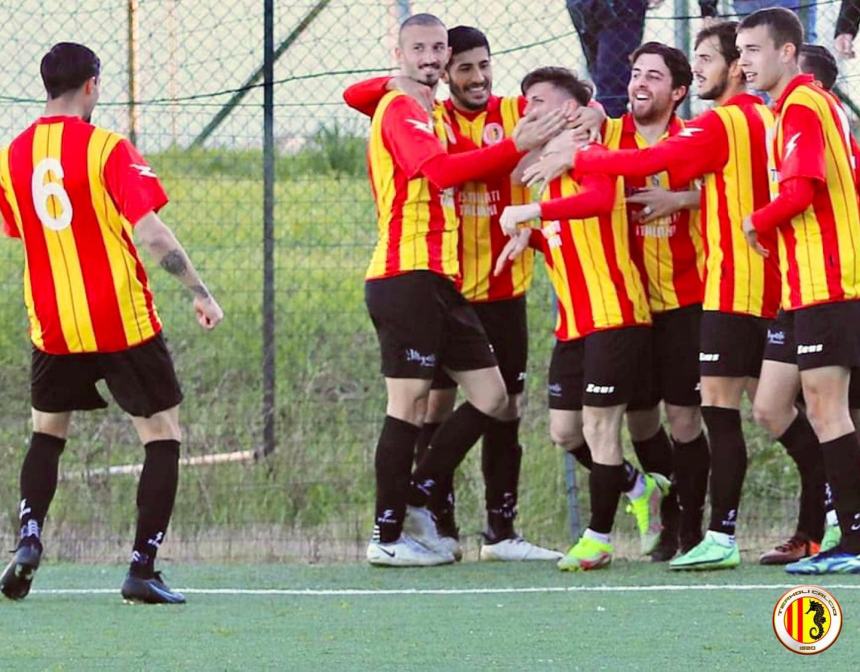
pixel 427 361
pixel 554 389
pixel 810 349
pixel 775 337
pixel 591 388
pixel 709 356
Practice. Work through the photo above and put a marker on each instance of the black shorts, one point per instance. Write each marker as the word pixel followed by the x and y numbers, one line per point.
pixel 731 345
pixel 422 322
pixel 506 325
pixel 781 347
pixel 141 379
pixel 827 334
pixel 675 358
pixel 606 368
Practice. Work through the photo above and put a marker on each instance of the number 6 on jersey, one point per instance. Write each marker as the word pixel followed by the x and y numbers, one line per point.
pixel 42 193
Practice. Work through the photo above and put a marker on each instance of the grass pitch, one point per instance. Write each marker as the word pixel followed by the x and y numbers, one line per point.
pixel 634 616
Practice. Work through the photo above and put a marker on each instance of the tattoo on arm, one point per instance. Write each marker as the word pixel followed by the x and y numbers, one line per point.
pixel 174 263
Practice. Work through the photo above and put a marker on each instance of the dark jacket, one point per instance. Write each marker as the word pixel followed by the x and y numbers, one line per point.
pixel 849 18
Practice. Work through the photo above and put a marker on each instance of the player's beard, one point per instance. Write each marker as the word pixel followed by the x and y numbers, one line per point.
pixel 461 97
pixel 716 91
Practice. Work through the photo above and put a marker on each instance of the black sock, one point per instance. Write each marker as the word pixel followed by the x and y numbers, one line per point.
pixel 39 481
pixel 842 462
pixel 692 464
pixel 393 464
pixel 501 455
pixel 442 501
pixel 728 465
pixel 156 493
pixel 829 505
pixel 450 444
pixel 655 454
pixel 582 454
pixel 802 445
pixel 422 443
pixel 605 483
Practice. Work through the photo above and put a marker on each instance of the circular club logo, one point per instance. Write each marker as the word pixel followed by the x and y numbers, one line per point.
pixel 493 134
pixel 807 620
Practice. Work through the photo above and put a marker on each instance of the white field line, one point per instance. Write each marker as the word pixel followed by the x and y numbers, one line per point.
pixel 355 592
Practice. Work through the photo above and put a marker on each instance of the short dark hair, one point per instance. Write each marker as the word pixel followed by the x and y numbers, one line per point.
pixel 782 24
pixel 561 78
pixel 725 32
pixel 421 20
pixel 819 62
pixel 675 60
pixel 67 66
pixel 464 38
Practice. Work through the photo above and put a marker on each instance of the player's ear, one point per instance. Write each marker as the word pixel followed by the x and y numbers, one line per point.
pixel 735 70
pixel 679 93
pixel 90 85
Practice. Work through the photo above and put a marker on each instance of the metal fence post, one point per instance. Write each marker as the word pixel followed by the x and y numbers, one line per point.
pixel 269 229
pixel 682 42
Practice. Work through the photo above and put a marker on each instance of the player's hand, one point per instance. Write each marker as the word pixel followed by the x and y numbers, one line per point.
pixel 658 202
pixel 844 45
pixel 208 312
pixel 532 132
pixel 752 237
pixel 556 160
pixel 514 215
pixel 708 21
pixel 585 122
pixel 423 94
pixel 513 249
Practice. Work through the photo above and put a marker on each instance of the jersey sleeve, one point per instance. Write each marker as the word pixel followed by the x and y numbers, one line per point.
pixel 802 148
pixel 365 95
pixel 132 184
pixel 596 198
pixel 409 135
pixel 701 147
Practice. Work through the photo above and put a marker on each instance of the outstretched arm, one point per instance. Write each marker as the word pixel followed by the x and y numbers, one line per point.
pixel 162 245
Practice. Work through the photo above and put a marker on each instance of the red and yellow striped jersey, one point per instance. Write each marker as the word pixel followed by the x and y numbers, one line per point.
pixel 73 192
pixel 819 249
pixel 589 264
pixel 668 252
pixel 727 147
pixel 416 222
pixel 480 204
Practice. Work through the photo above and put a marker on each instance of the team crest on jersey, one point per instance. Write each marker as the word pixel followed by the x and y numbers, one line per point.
pixel 493 134
pixel 807 620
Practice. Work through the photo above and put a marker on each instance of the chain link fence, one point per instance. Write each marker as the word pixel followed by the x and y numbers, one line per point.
pixel 284 401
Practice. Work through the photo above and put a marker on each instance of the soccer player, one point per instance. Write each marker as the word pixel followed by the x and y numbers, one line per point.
pixel 775 403
pixel 479 118
pixel 816 216
pixel 601 360
pixel 726 147
pixel 667 249
pixel 76 195
pixel 421 319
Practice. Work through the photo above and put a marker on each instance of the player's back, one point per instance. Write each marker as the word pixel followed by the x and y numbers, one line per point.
pixel 71 192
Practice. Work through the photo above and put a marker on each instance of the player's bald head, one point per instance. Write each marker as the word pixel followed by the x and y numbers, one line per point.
pixel 67 66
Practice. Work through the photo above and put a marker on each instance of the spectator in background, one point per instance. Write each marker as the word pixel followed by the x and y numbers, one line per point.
pixel 610 30
pixel 805 9
pixel 846 28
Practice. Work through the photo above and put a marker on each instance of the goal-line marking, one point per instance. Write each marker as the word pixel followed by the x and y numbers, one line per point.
pixel 357 592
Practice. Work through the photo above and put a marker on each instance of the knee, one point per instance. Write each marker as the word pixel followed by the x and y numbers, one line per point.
pixel 412 410
pixel 771 418
pixel 566 437
pixel 642 425
pixel 493 402
pixel 685 424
